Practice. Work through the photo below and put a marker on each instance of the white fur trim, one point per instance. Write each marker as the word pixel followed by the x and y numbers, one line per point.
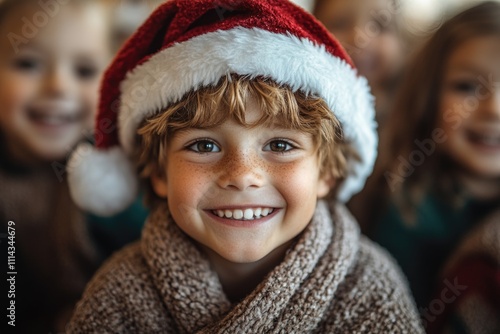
pixel 102 182
pixel 297 62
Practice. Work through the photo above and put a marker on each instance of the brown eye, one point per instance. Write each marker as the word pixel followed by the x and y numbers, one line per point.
pixel 204 146
pixel 278 146
pixel 464 86
pixel 27 64
pixel 86 72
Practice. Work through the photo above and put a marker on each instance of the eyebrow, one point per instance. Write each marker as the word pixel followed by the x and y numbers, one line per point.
pixel 31 46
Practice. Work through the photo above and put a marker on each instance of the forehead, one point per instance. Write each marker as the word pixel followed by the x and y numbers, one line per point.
pixel 253 112
pixel 479 55
pixel 73 28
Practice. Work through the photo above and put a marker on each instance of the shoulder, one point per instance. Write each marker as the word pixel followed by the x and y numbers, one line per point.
pixel 381 292
pixel 374 296
pixel 374 263
pixel 121 297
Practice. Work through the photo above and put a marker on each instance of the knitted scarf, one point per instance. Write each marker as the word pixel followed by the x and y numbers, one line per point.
pixel 329 281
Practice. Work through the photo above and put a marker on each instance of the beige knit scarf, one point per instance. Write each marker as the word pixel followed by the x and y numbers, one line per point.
pixel 294 297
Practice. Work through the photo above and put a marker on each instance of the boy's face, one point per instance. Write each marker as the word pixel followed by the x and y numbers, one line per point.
pixel 242 192
pixel 470 106
pixel 367 30
pixel 49 77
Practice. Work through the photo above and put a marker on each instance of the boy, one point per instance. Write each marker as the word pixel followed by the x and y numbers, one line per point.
pixel 226 108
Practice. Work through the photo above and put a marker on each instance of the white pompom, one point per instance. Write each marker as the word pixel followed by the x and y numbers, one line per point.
pixel 102 182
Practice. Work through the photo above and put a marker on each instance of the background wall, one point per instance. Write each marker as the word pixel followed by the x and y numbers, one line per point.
pixel 307 4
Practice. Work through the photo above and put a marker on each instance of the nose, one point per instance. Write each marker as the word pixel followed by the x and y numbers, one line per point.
pixel 59 81
pixel 240 171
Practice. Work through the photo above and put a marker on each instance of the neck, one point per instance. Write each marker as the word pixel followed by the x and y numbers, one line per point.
pixel 239 279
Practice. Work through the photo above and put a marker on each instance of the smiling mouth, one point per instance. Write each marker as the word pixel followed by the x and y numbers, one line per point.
pixel 54 113
pixel 488 140
pixel 243 214
pixel 53 119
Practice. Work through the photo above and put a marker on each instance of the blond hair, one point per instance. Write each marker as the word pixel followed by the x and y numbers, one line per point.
pixel 211 106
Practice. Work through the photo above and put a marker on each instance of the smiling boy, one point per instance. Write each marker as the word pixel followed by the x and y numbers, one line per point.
pixel 253 118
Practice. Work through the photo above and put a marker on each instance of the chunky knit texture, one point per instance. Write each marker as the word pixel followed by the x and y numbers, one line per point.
pixel 331 280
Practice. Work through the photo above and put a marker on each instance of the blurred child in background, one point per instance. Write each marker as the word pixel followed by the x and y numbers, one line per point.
pixel 52 56
pixel 370 32
pixel 128 16
pixel 440 175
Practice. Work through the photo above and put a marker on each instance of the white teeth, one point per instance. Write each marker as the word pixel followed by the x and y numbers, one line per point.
pixel 246 214
pixel 237 214
pixel 490 139
pixel 52 120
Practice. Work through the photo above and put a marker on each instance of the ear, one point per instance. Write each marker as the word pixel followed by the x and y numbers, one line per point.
pixel 159 184
pixel 325 184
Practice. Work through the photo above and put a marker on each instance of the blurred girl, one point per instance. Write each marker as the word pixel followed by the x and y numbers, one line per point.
pixel 52 55
pixel 370 32
pixel 439 173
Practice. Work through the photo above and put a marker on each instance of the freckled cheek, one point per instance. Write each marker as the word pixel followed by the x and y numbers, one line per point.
pixel 188 184
pixel 296 182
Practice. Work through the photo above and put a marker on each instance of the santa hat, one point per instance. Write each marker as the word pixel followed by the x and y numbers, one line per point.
pixel 188 44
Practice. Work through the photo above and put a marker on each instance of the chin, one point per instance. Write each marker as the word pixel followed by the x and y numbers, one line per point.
pixel 50 154
pixel 244 257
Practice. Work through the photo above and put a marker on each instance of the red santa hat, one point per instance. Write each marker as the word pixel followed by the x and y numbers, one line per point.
pixel 188 44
